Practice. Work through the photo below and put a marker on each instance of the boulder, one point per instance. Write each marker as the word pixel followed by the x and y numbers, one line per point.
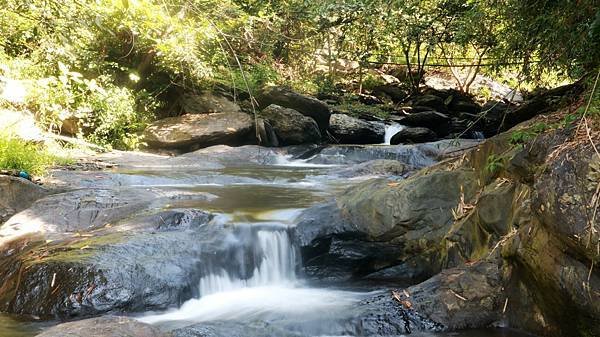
pixel 433 120
pixel 380 224
pixel 462 105
pixel 158 258
pixel 350 130
pixel 394 91
pixel 107 326
pixel 469 296
pixel 306 105
pixel 194 131
pixel 206 102
pixel 17 194
pixel 290 126
pixel 413 135
pixel 431 101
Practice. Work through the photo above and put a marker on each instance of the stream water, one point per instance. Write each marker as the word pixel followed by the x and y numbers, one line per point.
pixel 258 278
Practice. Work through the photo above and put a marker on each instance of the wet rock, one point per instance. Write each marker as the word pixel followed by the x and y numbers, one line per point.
pixel 462 105
pixel 17 194
pixel 420 204
pixel 413 135
pixel 108 326
pixel 431 101
pixel 306 105
pixel 207 102
pixel 382 315
pixel 436 121
pixel 200 130
pixel 78 210
pixel 290 126
pixel 266 134
pixel 76 275
pixel 379 167
pixel 350 130
pixel 233 329
pixel 459 298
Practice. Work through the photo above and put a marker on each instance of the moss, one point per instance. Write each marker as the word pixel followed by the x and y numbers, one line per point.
pixel 74 250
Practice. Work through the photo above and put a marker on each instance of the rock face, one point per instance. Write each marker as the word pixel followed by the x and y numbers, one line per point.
pixel 511 244
pixel 290 126
pixel 380 224
pixel 436 121
pixel 413 135
pixel 350 130
pixel 200 130
pixel 308 106
pixel 17 194
pixel 207 102
pixel 110 326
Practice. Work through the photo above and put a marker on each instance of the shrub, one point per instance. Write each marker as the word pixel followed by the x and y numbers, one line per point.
pixel 16 154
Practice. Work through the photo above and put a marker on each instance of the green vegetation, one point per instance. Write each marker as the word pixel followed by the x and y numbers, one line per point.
pixel 16 154
pixel 113 66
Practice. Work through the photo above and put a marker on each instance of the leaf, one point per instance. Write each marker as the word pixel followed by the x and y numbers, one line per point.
pixel 125 3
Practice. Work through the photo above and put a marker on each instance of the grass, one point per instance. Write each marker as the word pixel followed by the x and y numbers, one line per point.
pixel 17 154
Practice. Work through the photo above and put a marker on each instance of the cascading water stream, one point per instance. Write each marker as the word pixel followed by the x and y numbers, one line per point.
pixel 271 291
pixel 390 131
pixel 275 265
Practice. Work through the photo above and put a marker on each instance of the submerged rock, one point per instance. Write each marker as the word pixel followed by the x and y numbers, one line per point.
pixel 107 326
pixel 199 130
pixel 350 130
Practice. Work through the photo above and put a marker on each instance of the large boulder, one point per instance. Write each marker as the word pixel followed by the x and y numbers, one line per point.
pixel 469 296
pixel 431 101
pixel 17 194
pixel 108 326
pixel 207 102
pixel 290 126
pixel 413 135
pixel 350 130
pixel 306 105
pixel 380 224
pixel 63 274
pixel 192 131
pixel 433 120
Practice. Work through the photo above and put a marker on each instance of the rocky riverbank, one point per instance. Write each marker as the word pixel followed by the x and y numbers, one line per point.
pixel 450 235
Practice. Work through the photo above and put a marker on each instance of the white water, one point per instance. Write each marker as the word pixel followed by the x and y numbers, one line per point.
pixel 272 292
pixel 390 131
pixel 278 266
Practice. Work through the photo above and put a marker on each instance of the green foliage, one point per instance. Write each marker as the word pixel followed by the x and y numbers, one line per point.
pixel 494 164
pixel 16 154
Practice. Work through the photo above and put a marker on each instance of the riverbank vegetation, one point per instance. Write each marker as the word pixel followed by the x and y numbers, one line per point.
pixel 116 65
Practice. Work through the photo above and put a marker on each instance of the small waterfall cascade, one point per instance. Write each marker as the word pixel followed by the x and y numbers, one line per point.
pixel 390 131
pixel 270 254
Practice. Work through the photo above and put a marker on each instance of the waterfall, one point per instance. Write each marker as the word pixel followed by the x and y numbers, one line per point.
pixel 390 131
pixel 274 260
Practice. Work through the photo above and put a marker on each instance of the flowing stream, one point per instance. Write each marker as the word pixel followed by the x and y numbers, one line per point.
pixel 256 279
